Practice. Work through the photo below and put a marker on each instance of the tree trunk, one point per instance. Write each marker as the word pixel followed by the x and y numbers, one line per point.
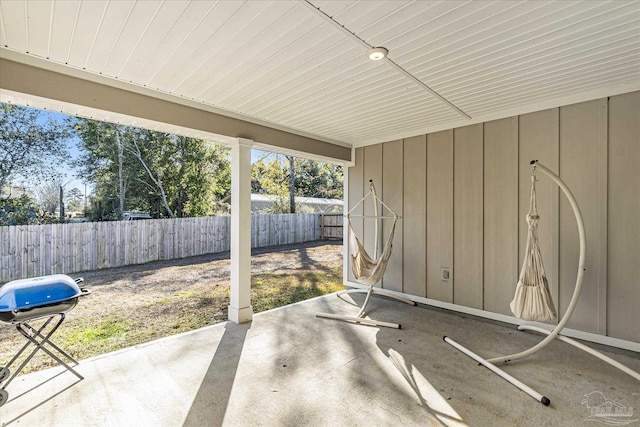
pixel 61 204
pixel 120 172
pixel 292 186
pixel 158 184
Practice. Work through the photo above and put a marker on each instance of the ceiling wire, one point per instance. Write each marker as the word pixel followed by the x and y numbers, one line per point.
pixel 388 60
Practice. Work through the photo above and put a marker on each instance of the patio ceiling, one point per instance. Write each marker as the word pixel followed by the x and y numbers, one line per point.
pixel 303 66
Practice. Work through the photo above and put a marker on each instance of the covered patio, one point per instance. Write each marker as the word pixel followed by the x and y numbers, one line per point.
pixel 289 368
pixel 442 104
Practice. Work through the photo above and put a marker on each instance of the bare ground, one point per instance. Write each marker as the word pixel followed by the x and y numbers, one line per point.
pixel 128 286
pixel 134 304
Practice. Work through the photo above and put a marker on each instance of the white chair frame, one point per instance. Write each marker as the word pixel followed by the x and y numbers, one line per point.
pixel 555 333
pixel 360 317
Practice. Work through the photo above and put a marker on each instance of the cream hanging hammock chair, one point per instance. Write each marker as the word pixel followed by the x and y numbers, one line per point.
pixel 367 269
pixel 532 300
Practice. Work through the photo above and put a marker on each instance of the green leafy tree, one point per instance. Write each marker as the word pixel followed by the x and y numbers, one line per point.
pixel 318 179
pixel 18 211
pixel 101 161
pixel 73 199
pixel 269 178
pixel 31 149
pixel 310 179
pixel 164 174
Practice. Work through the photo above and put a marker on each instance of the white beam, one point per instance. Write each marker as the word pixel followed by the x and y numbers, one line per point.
pixel 240 310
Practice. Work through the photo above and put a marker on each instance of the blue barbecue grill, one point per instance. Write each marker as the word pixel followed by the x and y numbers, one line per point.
pixel 48 298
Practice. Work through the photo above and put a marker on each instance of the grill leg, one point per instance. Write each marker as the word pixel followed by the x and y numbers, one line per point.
pixel 31 334
pixel 19 353
pixel 36 332
pixel 45 340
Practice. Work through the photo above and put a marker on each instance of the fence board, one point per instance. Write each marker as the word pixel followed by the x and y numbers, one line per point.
pixel 35 250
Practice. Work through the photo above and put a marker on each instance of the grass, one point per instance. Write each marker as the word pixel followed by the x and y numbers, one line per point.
pixel 91 335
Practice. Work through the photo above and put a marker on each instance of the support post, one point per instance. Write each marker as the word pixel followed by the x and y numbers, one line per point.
pixel 240 310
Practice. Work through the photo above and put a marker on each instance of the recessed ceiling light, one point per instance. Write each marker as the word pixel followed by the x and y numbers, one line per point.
pixel 378 53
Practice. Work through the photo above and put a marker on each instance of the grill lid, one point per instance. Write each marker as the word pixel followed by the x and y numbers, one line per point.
pixel 38 291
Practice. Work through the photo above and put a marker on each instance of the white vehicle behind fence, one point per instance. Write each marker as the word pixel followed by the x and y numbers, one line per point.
pixel 134 216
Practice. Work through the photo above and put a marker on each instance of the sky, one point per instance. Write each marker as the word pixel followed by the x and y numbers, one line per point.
pixel 70 180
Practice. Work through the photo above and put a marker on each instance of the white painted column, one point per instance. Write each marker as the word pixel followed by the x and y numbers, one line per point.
pixel 240 310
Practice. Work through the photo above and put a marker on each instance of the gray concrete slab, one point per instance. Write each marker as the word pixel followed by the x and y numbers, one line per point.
pixel 289 368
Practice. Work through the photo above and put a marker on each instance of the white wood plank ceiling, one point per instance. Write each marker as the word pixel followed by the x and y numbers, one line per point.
pixel 284 62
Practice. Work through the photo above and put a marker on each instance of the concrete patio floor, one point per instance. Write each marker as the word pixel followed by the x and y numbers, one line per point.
pixel 289 368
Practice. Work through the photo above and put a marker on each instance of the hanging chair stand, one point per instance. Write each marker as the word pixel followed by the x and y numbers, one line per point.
pixel 555 332
pixel 360 317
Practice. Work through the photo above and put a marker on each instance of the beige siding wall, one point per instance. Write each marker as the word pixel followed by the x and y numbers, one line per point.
pixel 467 216
pixel 355 190
pixel 392 182
pixel 372 173
pixel 623 218
pixel 583 167
pixel 500 213
pixel 414 220
pixel 464 194
pixel 440 215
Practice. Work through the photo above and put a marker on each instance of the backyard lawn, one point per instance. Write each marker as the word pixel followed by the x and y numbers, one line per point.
pixel 139 303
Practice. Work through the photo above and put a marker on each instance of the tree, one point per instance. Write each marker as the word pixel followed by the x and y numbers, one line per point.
pixel 73 199
pixel 296 177
pixel 121 190
pixel 164 174
pixel 48 196
pixel 134 148
pixel 29 148
pixel 292 184
pixel 102 161
pixel 18 211
pixel 318 179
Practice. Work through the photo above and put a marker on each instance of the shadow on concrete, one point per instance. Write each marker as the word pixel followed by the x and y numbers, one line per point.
pixel 37 405
pixel 210 403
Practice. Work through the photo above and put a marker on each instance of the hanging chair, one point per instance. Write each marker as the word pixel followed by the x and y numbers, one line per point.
pixel 532 300
pixel 532 297
pixel 368 270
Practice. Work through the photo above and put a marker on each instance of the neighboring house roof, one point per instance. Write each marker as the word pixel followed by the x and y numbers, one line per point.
pixel 261 202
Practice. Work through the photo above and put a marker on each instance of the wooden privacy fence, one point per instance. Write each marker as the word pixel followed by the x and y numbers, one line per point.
pixel 37 250
pixel 331 226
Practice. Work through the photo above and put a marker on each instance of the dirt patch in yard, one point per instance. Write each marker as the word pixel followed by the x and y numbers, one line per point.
pixel 135 304
pixel 129 286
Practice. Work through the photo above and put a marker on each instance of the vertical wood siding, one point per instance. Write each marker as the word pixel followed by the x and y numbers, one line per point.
pixel 440 215
pixel 392 158
pixel 414 218
pixel 465 195
pixel 373 172
pixel 623 218
pixel 468 216
pixel 501 266
pixel 583 167
pixel 356 191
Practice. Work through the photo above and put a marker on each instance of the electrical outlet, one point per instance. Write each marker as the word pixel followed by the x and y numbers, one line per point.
pixel 445 274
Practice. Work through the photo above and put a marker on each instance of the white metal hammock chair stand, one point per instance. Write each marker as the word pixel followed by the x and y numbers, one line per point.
pixel 532 300
pixel 368 270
